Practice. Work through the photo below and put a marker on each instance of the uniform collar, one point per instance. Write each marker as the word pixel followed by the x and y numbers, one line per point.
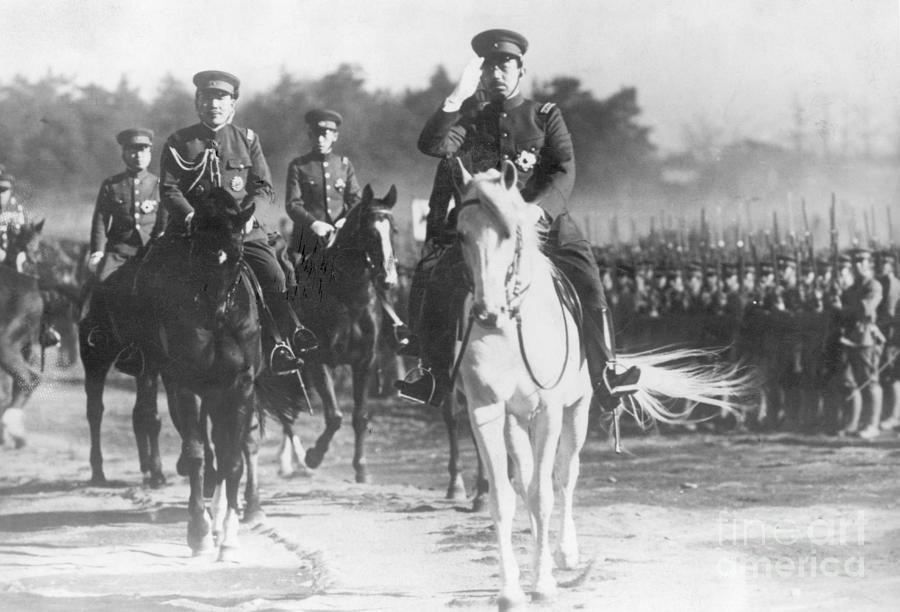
pixel 510 103
pixel 141 174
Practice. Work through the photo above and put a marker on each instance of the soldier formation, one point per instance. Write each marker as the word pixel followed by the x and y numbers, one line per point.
pixel 821 331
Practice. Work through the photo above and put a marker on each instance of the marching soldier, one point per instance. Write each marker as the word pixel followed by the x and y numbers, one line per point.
pixel 216 153
pixel 485 121
pixel 321 186
pixel 126 213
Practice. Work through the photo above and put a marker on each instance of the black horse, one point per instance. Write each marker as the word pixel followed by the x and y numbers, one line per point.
pixel 339 287
pixel 206 345
pixel 111 331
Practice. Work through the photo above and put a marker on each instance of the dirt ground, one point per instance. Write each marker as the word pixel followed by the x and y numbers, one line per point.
pixel 681 521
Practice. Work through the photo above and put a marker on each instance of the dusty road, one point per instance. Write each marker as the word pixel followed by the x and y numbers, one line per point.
pixel 682 522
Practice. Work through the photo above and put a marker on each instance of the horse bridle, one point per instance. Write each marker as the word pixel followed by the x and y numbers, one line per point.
pixel 236 280
pixel 514 298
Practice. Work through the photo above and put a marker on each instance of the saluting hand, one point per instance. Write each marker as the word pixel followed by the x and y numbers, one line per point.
pixel 467 85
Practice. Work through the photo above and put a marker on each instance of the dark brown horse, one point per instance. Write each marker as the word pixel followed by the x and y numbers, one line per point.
pixel 205 341
pixel 111 331
pixel 338 290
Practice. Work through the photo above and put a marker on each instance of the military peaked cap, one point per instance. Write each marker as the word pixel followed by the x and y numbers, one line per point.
pixel 6 181
pixel 504 42
pixel 324 118
pixel 786 260
pixel 766 268
pixel 887 257
pixel 135 137
pixel 217 79
pixel 860 254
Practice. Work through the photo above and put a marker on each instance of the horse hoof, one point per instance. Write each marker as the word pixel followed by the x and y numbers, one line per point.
pixel 201 546
pixel 97 480
pixel 156 480
pixel 456 491
pixel 544 594
pixel 565 561
pixel 253 516
pixel 313 458
pixel 362 476
pixel 478 504
pixel 229 554
pixel 18 443
pixel 510 603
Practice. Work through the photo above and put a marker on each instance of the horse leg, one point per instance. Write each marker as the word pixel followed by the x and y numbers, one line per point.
pixel 253 512
pixel 488 423
pixel 146 424
pixel 14 361
pixel 568 465
pixel 324 384
pixel 191 464
pixel 532 448
pixel 360 422
pixel 457 487
pixel 231 428
pixel 291 452
pixel 482 486
pixel 96 368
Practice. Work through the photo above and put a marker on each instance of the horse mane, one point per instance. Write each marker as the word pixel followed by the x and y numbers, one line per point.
pixel 511 211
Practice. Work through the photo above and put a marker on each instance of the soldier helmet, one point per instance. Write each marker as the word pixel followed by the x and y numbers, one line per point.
pixel 324 118
pixel 886 256
pixel 860 254
pixel 219 80
pixel 135 137
pixel 502 42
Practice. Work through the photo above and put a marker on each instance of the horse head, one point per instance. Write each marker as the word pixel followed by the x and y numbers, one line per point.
pixel 370 228
pixel 24 250
pixel 217 245
pixel 498 236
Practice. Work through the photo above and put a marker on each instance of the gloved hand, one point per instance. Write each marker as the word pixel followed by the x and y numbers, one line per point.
pixel 187 221
pixel 94 261
pixel 340 223
pixel 466 87
pixel 321 229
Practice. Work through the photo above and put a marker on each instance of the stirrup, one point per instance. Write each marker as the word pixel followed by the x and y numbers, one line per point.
pixel 406 382
pixel 50 337
pixel 625 383
pixel 304 340
pixel 282 360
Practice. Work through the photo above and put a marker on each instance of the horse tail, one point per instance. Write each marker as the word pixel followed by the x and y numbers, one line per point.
pixel 695 376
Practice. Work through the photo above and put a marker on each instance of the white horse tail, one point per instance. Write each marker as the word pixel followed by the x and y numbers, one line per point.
pixel 697 376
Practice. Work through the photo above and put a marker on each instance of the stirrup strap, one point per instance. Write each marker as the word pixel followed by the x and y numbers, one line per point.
pixel 261 299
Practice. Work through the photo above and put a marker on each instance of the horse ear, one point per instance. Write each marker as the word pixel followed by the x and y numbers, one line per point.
pixel 39 226
pixel 391 198
pixel 367 194
pixel 510 175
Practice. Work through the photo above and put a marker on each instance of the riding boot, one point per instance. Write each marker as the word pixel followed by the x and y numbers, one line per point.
pixel 282 359
pixel 609 386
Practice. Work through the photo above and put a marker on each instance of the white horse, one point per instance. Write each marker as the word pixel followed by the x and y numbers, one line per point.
pixel 528 392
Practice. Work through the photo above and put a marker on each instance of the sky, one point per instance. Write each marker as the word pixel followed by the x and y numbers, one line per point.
pixel 737 68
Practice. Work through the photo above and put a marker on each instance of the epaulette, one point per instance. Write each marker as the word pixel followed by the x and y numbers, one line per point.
pixel 547 107
pixel 250 135
pixel 345 161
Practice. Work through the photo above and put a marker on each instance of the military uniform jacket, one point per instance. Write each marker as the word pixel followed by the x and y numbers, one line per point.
pixel 127 213
pixel 531 135
pixel 320 188
pixel 859 310
pixel 196 159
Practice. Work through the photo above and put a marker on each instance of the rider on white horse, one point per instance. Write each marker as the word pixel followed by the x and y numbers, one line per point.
pixel 485 121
